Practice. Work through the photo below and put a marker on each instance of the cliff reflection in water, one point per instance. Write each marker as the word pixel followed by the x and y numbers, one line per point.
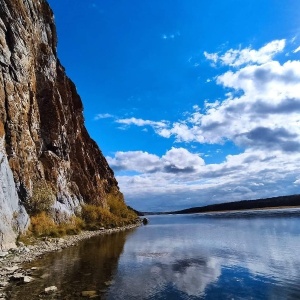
pixel 89 266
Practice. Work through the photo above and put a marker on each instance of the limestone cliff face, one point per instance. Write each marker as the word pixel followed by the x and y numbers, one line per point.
pixel 41 122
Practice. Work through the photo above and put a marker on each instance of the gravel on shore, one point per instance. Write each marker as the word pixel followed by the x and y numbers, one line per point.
pixel 12 260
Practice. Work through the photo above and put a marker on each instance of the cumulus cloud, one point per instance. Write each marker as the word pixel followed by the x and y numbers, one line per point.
pixel 214 57
pixel 248 175
pixel 263 99
pixel 268 103
pixel 138 161
pixel 238 57
pixel 260 113
pixel 181 160
pixel 176 160
pixel 272 78
pixel 278 138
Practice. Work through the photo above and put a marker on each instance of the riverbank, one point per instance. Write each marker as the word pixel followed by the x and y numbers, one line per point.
pixel 11 261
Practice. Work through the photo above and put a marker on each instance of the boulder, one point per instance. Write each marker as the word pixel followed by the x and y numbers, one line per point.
pixel 27 279
pixel 89 293
pixel 50 289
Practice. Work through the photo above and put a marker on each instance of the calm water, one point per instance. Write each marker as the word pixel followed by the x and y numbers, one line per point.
pixel 212 256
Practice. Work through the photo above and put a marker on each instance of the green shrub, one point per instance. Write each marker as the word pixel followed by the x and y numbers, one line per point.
pixel 42 198
pixel 91 217
pixel 26 238
pixel 95 217
pixel 43 225
pixel 115 214
pixel 118 207
pixel 73 226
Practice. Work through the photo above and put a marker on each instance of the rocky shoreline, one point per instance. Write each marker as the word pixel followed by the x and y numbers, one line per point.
pixel 12 260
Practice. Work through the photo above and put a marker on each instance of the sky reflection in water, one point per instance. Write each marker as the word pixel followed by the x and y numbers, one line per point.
pixel 232 256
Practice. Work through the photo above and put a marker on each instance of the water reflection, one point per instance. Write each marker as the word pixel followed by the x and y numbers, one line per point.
pixel 183 257
pixel 88 266
pixel 211 258
pixel 190 276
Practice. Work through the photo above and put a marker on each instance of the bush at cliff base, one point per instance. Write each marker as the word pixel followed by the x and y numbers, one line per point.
pixel 42 199
pixel 92 217
pixel 96 217
pixel 43 225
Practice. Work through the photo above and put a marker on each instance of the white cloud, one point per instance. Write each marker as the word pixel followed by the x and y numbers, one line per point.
pixel 296 50
pixel 103 116
pixel 293 39
pixel 134 160
pixel 268 80
pixel 170 36
pixel 242 189
pixel 239 57
pixel 264 114
pixel 141 122
pixel 196 107
pixel 249 175
pixel 211 56
pixel 180 159
pixel 269 105
pixel 176 160
pixel 260 113
pixel 181 131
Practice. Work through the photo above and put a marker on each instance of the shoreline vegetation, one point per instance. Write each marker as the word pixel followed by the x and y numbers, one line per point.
pixel 47 221
pixel 11 261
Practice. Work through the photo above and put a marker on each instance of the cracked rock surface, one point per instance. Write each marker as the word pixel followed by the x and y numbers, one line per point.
pixel 42 132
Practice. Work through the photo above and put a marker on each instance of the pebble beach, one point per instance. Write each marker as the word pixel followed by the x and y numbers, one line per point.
pixel 11 261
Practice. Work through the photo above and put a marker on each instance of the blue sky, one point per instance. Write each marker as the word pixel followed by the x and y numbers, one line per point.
pixel 192 102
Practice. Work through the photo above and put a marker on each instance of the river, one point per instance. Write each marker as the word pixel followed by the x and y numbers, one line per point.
pixel 249 255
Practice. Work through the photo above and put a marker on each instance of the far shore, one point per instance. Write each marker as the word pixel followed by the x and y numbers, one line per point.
pixel 251 209
pixel 222 211
pixel 12 260
pixel 280 202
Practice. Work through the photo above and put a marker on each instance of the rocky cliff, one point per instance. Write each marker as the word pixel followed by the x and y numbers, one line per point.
pixel 42 133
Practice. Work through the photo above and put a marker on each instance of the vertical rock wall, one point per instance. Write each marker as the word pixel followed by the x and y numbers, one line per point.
pixel 41 121
pixel 13 216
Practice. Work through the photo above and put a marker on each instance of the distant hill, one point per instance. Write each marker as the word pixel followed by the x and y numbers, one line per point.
pixel 280 202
